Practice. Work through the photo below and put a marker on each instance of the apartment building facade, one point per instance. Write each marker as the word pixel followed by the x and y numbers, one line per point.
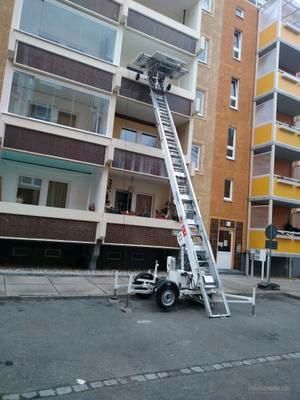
pixel 83 179
pixel 82 176
pixel 223 128
pixel 275 180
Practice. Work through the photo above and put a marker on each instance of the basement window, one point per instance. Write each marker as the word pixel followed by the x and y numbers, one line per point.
pixel 52 253
pixel 20 252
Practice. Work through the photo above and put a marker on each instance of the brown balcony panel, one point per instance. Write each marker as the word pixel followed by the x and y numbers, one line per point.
pixel 43 143
pixel 108 8
pixel 30 227
pixel 140 92
pixel 140 236
pixel 130 161
pixel 58 65
pixel 160 31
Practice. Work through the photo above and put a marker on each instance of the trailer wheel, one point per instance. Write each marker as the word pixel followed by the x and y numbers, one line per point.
pixel 137 281
pixel 166 295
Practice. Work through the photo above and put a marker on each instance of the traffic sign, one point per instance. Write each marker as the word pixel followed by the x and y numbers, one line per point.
pixel 271 232
pixel 271 244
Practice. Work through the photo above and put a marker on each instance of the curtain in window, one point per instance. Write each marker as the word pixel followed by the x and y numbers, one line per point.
pixel 57 194
pixel 139 163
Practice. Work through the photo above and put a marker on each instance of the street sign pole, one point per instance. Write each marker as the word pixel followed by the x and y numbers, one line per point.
pixel 271 233
pixel 269 262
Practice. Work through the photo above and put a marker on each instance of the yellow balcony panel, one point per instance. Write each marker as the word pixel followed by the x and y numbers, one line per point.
pixel 263 134
pixel 265 84
pixel 268 35
pixel 288 135
pixel 257 239
pixel 260 186
pixel 291 36
pixel 289 83
pixel 289 245
pixel 287 188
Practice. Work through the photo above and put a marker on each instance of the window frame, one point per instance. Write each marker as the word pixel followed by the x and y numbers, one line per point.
pixel 237 51
pixel 233 147
pixel 230 190
pixel 44 188
pixel 210 7
pixel 235 98
pixel 201 111
pixel 138 137
pixel 198 164
pixel 241 14
pixel 205 51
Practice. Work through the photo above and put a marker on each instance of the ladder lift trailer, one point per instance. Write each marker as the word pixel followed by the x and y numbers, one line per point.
pixel 198 278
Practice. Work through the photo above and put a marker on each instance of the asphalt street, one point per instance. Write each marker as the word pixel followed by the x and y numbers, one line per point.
pixel 47 346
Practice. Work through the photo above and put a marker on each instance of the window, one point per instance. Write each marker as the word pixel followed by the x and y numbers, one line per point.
pixel 138 256
pixel 231 143
pixel 148 140
pixel 203 55
pixel 47 100
pixel 57 194
pixel 207 5
pixel 196 156
pixel 64 25
pixel 20 252
pixel 237 45
pixel 239 12
pixel 234 93
pixel 143 205
pixel 123 201
pixel 200 103
pixel 29 190
pixel 132 135
pixel 129 135
pixel 228 187
pixel 114 256
pixel 52 253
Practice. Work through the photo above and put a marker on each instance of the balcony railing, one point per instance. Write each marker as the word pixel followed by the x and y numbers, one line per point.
pixel 45 223
pixel 289 83
pixel 287 180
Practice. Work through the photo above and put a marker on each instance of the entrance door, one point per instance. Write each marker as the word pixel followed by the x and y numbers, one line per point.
pixel 224 255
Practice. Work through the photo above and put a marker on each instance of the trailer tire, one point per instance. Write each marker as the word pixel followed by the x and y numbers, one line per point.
pixel 136 281
pixel 167 294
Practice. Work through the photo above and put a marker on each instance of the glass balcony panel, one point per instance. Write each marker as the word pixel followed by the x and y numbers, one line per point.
pixel 261 164
pixel 63 25
pixel 48 101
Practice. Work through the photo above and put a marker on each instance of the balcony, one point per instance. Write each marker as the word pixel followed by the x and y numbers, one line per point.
pixel 67 27
pixel 177 24
pixel 132 195
pixel 50 188
pixel 287 244
pixel 52 102
pixel 269 29
pixel 288 134
pixel 260 186
pixel 287 188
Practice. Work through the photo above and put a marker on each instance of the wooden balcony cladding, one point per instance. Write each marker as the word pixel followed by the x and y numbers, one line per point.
pixel 140 92
pixel 31 227
pixel 140 236
pixel 43 143
pixel 160 31
pixel 61 66
pixel 130 161
pixel 107 8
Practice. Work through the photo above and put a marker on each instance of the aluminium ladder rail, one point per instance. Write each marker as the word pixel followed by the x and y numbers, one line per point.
pixel 200 255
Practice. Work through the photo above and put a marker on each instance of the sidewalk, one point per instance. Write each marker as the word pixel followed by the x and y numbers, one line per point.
pixel 18 285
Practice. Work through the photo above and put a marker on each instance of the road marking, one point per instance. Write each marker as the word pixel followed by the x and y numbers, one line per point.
pixel 149 377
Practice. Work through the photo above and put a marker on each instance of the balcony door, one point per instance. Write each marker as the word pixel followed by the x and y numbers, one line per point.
pixel 225 246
